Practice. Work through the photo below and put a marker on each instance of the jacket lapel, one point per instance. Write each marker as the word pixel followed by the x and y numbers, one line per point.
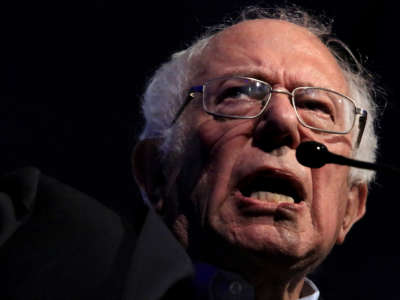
pixel 17 198
pixel 158 262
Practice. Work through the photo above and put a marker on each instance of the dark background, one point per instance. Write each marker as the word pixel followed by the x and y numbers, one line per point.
pixel 71 76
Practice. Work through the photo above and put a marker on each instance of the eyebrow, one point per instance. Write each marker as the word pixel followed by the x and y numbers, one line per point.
pixel 246 71
pixel 258 73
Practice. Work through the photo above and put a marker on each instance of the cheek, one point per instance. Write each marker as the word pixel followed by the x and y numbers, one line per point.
pixel 222 144
pixel 213 133
pixel 329 198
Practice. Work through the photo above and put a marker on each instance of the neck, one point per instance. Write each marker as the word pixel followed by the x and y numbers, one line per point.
pixel 219 282
pixel 270 287
pixel 275 277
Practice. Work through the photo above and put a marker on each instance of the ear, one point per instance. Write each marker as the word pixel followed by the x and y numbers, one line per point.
pixel 354 210
pixel 147 170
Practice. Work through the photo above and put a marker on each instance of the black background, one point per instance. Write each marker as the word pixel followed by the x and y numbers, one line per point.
pixel 71 76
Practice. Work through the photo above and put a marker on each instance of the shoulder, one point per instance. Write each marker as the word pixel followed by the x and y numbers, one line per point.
pixel 56 240
pixel 29 197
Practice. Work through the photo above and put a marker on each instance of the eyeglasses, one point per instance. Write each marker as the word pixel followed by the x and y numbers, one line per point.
pixel 319 109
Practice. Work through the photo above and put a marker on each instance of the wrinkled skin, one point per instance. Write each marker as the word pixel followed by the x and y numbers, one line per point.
pixel 274 245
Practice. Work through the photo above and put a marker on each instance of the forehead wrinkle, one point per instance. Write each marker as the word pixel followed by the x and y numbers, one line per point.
pixel 231 53
pixel 272 76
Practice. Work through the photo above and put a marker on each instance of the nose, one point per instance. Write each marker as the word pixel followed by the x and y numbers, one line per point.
pixel 278 125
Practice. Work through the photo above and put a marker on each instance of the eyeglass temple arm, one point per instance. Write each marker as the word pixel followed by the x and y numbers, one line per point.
pixel 190 96
pixel 361 124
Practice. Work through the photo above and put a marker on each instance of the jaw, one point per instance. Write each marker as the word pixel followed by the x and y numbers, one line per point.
pixel 264 247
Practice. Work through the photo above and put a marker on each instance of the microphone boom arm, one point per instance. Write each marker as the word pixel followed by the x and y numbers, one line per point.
pixel 341 160
pixel 315 155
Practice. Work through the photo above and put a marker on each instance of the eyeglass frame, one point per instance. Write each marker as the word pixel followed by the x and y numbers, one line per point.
pixel 363 114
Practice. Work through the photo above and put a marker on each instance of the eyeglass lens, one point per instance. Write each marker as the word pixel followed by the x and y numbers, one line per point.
pixel 246 97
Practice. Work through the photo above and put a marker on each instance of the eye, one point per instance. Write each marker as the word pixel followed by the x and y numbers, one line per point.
pixel 315 103
pixel 238 92
pixel 254 91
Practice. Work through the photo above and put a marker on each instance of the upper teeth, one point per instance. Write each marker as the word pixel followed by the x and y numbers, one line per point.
pixel 272 197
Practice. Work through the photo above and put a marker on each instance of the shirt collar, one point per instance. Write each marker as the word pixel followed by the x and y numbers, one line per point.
pixel 314 292
pixel 212 283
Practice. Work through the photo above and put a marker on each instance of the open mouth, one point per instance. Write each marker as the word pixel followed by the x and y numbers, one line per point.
pixel 265 187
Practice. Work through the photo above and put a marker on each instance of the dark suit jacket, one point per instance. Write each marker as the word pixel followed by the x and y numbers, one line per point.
pixel 57 243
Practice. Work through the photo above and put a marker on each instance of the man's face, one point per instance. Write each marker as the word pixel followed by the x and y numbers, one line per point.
pixel 238 178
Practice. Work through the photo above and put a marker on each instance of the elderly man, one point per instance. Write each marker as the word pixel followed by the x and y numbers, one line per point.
pixel 217 155
pixel 241 218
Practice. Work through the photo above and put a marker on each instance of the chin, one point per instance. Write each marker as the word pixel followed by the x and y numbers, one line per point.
pixel 264 258
pixel 261 242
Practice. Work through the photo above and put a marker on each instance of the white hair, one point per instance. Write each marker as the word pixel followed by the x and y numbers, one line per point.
pixel 167 89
